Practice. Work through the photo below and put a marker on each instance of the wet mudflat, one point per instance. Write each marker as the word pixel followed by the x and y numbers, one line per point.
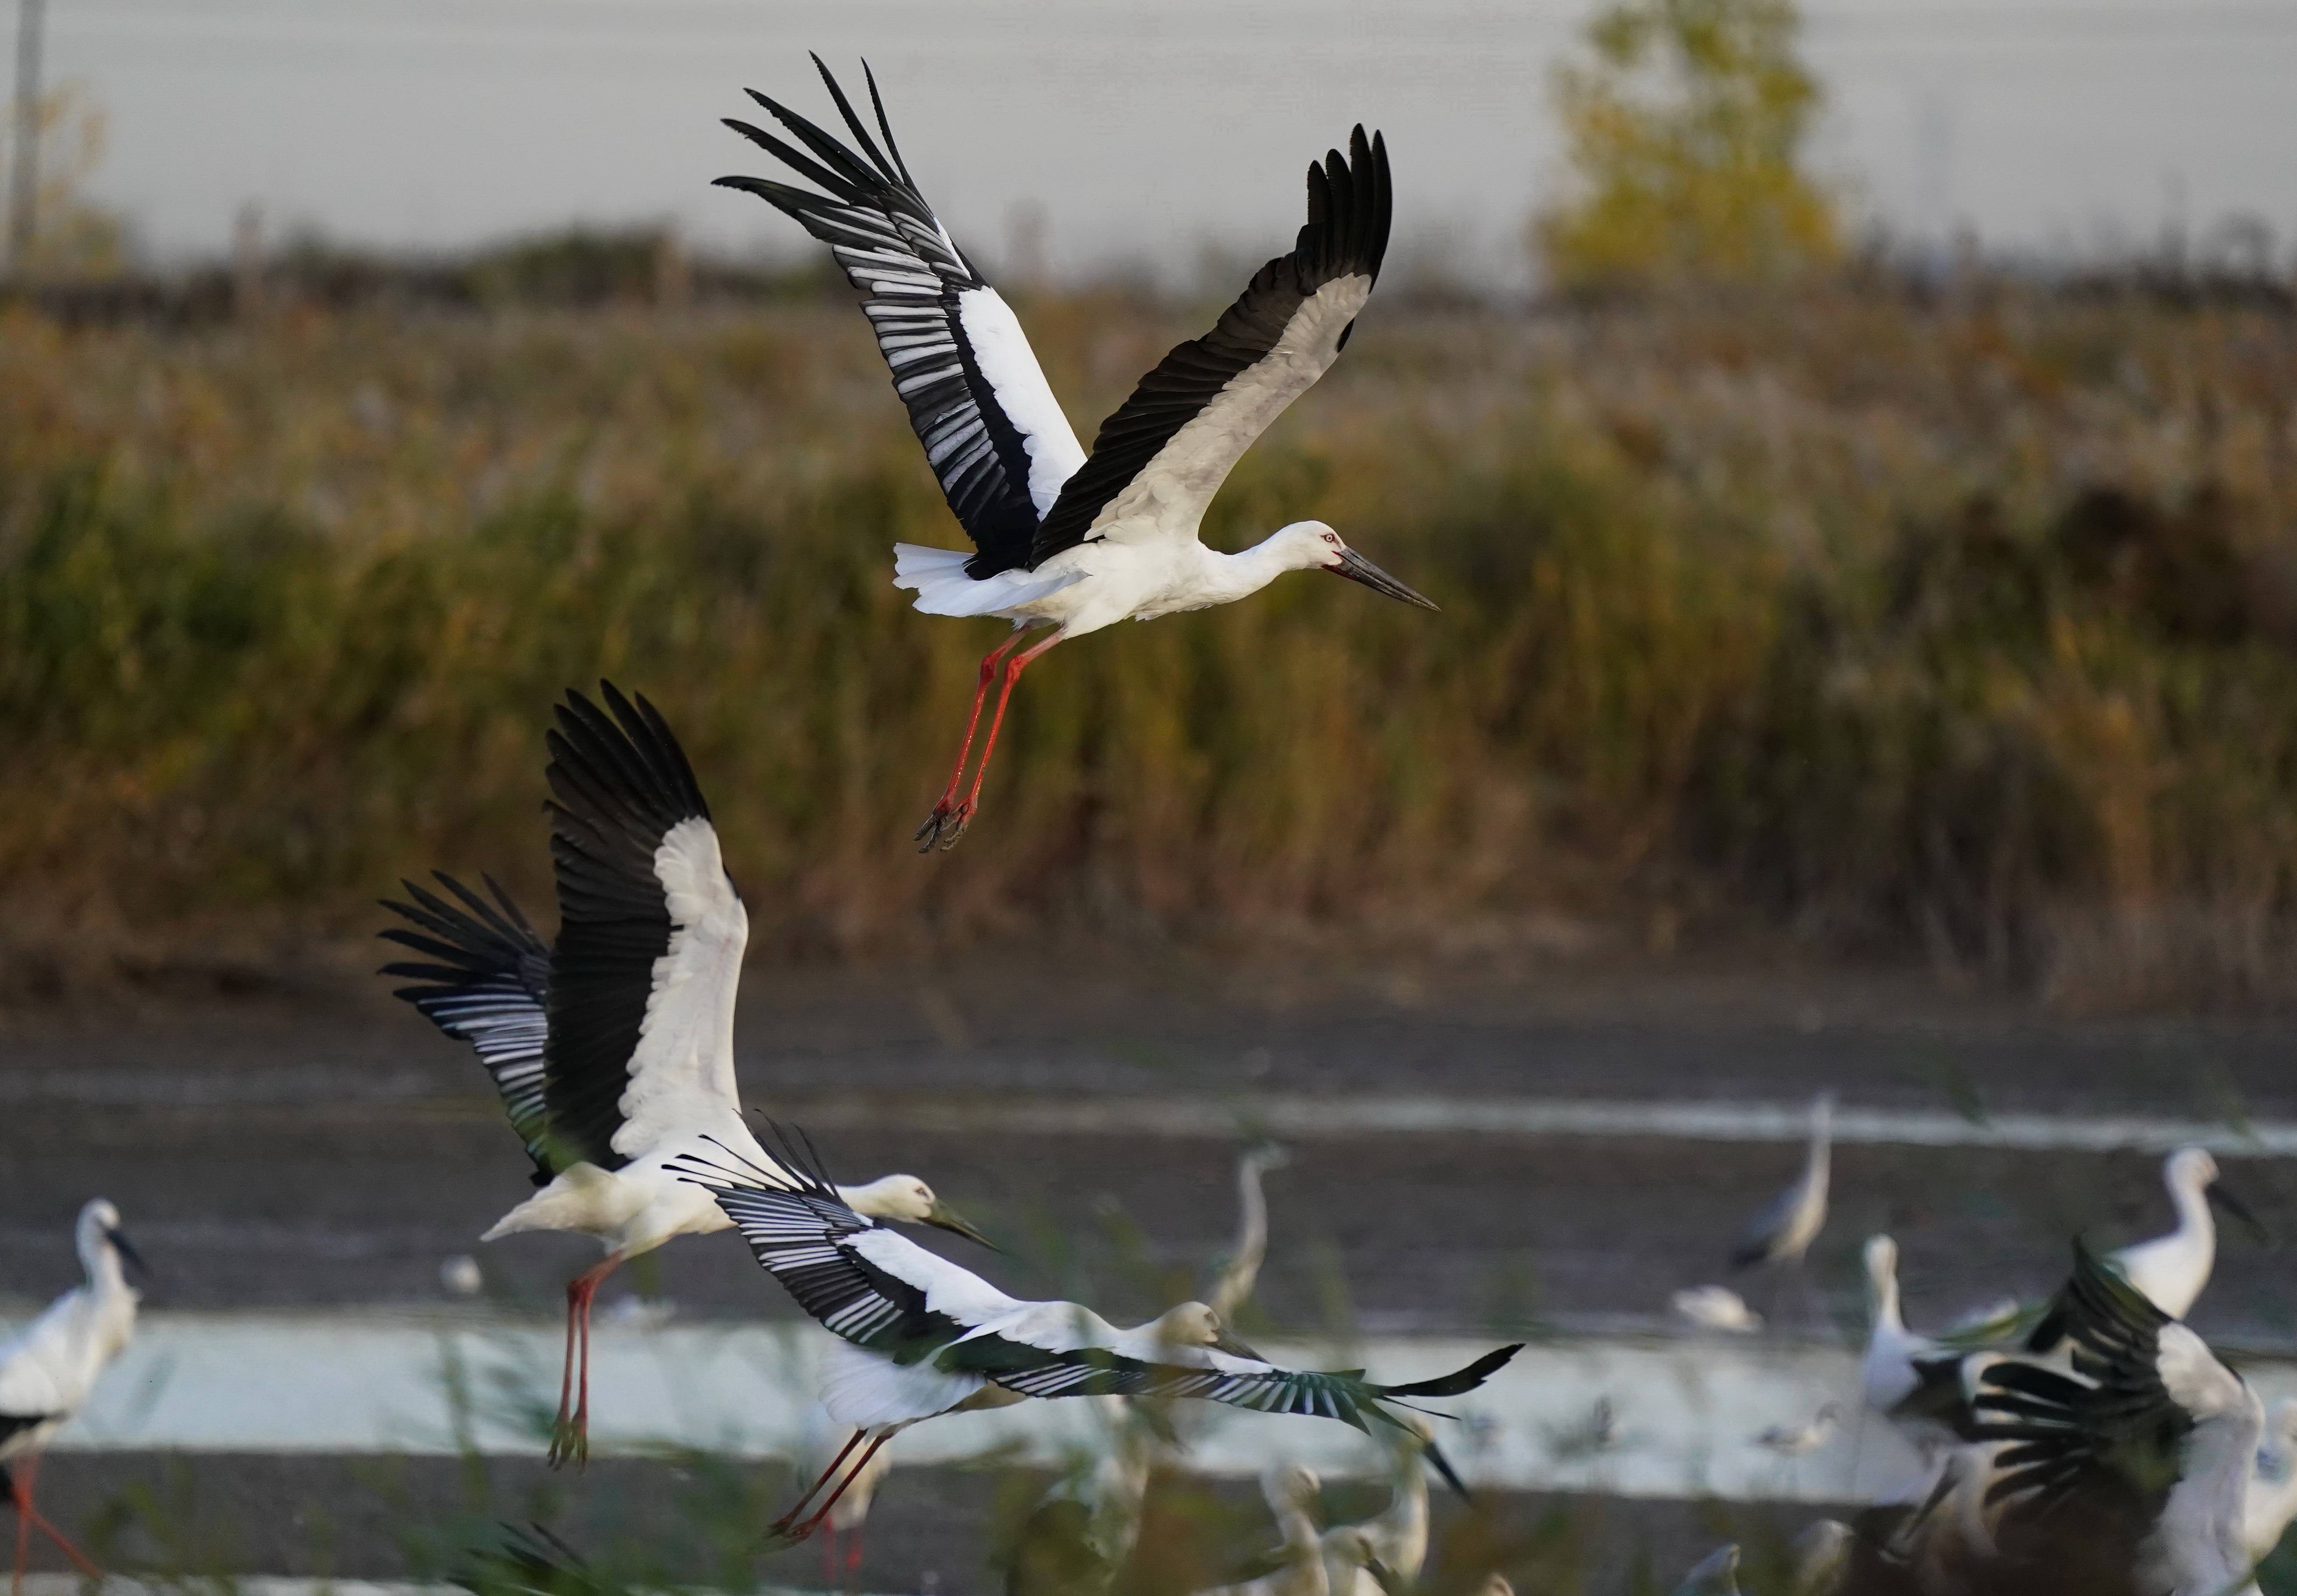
pixel 279 1153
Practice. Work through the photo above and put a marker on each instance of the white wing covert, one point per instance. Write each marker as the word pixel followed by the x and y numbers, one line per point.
pixel 643 976
pixel 1164 453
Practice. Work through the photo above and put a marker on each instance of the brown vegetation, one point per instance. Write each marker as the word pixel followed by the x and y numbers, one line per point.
pixel 1963 627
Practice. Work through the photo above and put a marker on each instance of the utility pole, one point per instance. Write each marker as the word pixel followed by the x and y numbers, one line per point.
pixel 24 181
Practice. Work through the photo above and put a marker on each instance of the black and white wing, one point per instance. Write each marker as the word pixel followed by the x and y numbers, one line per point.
pixel 992 431
pixel 1033 1369
pixel 876 1289
pixel 483 979
pixel 1166 451
pixel 639 1046
pixel 2109 1440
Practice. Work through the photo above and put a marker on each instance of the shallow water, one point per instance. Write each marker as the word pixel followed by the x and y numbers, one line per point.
pixel 1686 1410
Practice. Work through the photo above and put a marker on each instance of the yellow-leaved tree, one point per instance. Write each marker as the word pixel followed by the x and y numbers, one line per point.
pixel 1686 132
pixel 71 236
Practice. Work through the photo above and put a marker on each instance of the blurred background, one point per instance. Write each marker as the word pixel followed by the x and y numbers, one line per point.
pixel 1855 448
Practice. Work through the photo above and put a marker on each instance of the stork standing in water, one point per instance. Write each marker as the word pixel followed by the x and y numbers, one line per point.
pixel 2170 1270
pixel 1291 1492
pixel 614 1048
pixel 48 1369
pixel 1780 1236
pixel 1062 540
pixel 921 1337
pixel 1912 1380
pixel 1088 1522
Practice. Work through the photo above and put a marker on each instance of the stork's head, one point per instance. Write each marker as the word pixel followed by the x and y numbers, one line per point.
pixel 1193 1324
pixel 909 1200
pixel 1312 546
pixel 98 1232
pixel 2193 1171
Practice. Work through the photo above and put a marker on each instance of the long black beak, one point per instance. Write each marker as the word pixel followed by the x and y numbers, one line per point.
pixel 943 1217
pixel 1442 1466
pixel 1357 569
pixel 1228 1342
pixel 1387 1579
pixel 2240 1209
pixel 126 1251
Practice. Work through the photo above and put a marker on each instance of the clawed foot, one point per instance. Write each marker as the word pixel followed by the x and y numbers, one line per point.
pixel 782 1532
pixel 944 826
pixel 570 1444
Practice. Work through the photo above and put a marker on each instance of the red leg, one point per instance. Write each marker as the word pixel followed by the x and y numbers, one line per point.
pixel 829 1501
pixel 829 1558
pixel 854 1559
pixel 929 832
pixel 782 1524
pixel 952 826
pixel 29 1516
pixel 570 1437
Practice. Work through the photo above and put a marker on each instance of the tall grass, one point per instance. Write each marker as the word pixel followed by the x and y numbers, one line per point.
pixel 1964 629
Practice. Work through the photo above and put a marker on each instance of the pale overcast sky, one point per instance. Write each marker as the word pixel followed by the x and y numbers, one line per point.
pixel 1147 132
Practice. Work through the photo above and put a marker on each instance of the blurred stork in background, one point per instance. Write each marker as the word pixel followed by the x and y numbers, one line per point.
pixel 1778 1238
pixel 1292 1493
pixel 1062 540
pixel 1085 1525
pixel 49 1369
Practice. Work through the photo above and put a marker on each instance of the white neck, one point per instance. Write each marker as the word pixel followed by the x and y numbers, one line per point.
pixel 101 1261
pixel 1883 1299
pixel 2191 1203
pixel 1226 578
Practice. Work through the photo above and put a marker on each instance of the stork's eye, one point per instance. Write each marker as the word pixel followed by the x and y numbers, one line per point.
pixel 1332 539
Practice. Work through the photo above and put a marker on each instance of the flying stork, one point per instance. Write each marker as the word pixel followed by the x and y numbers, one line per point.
pixel 614 1048
pixel 2137 1466
pixel 920 1337
pixel 48 1369
pixel 1063 539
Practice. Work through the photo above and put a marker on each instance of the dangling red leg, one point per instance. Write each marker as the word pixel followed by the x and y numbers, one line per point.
pixel 947 829
pixel 570 1436
pixel 933 822
pixel 852 1580
pixel 829 1501
pixel 781 1524
pixel 29 1518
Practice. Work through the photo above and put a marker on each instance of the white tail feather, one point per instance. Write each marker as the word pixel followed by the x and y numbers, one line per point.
pixel 937 576
pixel 866 1389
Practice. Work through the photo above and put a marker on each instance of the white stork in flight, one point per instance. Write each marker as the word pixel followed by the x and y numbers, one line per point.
pixel 1062 540
pixel 920 1337
pixel 612 1049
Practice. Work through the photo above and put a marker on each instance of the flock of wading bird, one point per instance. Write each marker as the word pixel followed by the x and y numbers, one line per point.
pixel 2094 1445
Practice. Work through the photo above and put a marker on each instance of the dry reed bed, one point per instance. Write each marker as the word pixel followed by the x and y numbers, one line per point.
pixel 1965 627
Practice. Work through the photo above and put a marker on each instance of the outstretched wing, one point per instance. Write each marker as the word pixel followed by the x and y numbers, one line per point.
pixel 483 979
pixel 640 1042
pixel 2111 1438
pixel 877 1290
pixel 992 432
pixel 1166 450
pixel 1239 1382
